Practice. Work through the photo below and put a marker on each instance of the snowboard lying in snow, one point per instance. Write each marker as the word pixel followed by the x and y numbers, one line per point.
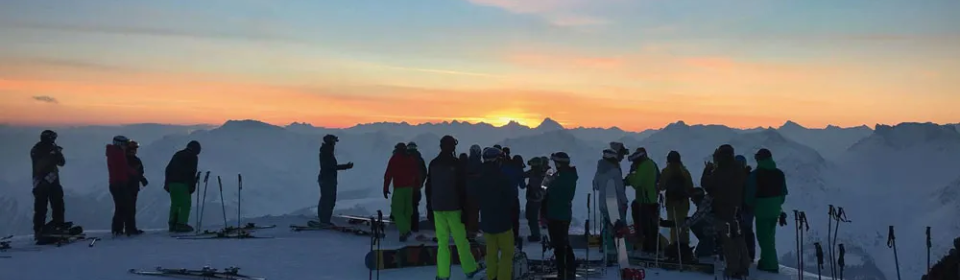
pixel 315 226
pixel 414 256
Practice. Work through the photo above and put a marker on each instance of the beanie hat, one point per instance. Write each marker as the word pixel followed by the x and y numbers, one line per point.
pixel 763 154
pixel 673 157
pixel 194 146
pixel 491 154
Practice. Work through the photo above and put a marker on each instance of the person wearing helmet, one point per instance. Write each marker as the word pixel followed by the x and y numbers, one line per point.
pixel 120 174
pixel 328 178
pixel 534 195
pixel 608 171
pixel 559 204
pixel 402 171
pixel 765 194
pixel 130 224
pixel 180 182
pixel 47 158
pixel 495 191
pixel 643 178
pixel 418 190
pixel 725 181
pixel 473 167
pixel 678 188
pixel 446 193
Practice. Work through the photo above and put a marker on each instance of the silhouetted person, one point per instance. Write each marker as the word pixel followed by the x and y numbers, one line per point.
pixel 328 178
pixel 46 158
pixel 180 183
pixel 134 187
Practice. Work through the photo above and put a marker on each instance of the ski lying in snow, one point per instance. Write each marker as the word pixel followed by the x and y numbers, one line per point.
pixel 64 239
pixel 249 227
pixel 353 220
pixel 317 227
pixel 225 235
pixel 671 265
pixel 204 273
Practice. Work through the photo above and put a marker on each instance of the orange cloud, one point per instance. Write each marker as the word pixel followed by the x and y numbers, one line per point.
pixel 566 13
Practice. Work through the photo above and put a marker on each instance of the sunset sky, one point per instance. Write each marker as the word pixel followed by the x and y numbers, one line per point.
pixel 635 64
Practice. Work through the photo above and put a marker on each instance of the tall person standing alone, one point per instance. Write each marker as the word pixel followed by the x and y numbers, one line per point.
pixel 180 183
pixel 46 158
pixel 328 179
pixel 446 188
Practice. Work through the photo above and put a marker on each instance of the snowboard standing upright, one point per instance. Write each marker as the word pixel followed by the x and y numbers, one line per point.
pixel 613 213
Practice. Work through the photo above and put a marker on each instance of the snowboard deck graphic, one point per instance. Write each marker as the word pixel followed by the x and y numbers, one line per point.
pixel 416 256
pixel 204 273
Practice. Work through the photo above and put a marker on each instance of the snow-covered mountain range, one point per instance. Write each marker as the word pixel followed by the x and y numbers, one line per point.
pixel 903 175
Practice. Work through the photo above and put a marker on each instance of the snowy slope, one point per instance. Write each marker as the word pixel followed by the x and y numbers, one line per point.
pixel 288 256
pixel 830 142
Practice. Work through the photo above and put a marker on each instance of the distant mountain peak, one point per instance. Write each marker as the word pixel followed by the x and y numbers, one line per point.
pixel 678 124
pixel 549 124
pixel 791 125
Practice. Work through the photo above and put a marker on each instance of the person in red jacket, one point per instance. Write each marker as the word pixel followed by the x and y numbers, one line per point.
pixel 120 176
pixel 403 171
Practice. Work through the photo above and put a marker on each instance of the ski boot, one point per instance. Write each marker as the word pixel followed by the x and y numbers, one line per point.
pixel 134 232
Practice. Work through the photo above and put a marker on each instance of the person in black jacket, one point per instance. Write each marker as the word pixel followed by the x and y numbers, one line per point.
pixel 129 221
pixel 181 183
pixel 328 179
pixel 46 156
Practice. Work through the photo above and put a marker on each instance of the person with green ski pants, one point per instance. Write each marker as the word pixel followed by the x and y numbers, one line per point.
pixel 765 192
pixel 446 193
pixel 180 184
pixel 495 192
pixel 402 171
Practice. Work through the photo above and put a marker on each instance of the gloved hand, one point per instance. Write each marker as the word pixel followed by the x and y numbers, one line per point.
pixel 144 181
pixel 349 165
pixel 783 219
pixel 386 194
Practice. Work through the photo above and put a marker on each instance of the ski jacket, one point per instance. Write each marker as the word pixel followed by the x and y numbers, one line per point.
pixel 704 216
pixel 644 181
pixel 725 184
pixel 446 183
pixel 534 181
pixel 421 165
pixel 137 166
pixel 45 158
pixel 495 195
pixel 182 169
pixel 560 193
pixel 117 167
pixel 328 165
pixel 608 171
pixel 670 173
pixel 515 176
pixel 402 170
pixel 766 190
pixel 473 170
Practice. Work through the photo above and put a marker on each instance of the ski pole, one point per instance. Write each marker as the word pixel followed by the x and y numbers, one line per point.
pixel 831 215
pixel 840 263
pixel 586 231
pixel 676 236
pixel 928 249
pixel 819 259
pixel 803 223
pixel 196 181
pixel 373 239
pixel 379 229
pixel 239 191
pixel 223 205
pixel 656 225
pixel 892 243
pixel 839 216
pixel 796 231
pixel 203 205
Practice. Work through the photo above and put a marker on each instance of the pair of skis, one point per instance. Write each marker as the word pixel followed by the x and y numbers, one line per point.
pixel 231 273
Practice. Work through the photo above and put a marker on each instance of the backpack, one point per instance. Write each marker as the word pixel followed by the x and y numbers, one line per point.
pixel 676 187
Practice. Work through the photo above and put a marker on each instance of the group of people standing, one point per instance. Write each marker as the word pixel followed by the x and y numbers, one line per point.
pixel 731 198
pixel 126 179
pixel 479 192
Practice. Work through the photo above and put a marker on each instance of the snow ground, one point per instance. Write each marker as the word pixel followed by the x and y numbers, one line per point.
pixel 314 255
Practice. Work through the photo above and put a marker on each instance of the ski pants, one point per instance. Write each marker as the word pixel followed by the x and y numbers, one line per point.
pixel 766 237
pixel 179 203
pixel 447 223
pixel 43 193
pixel 647 218
pixel 734 250
pixel 415 216
pixel 533 218
pixel 746 223
pixel 124 207
pixel 563 252
pixel 677 212
pixel 499 256
pixel 328 200
pixel 400 207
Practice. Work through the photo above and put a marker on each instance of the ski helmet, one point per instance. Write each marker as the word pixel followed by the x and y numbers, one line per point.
pixel 120 140
pixel 491 154
pixel 399 147
pixel 609 154
pixel 48 136
pixel 763 154
pixel 560 157
pixel 475 150
pixel 194 146
pixel 673 157
pixel 742 160
pixel 412 146
pixel 639 154
pixel 133 145
pixel 535 162
pixel 330 139
pixel 448 140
